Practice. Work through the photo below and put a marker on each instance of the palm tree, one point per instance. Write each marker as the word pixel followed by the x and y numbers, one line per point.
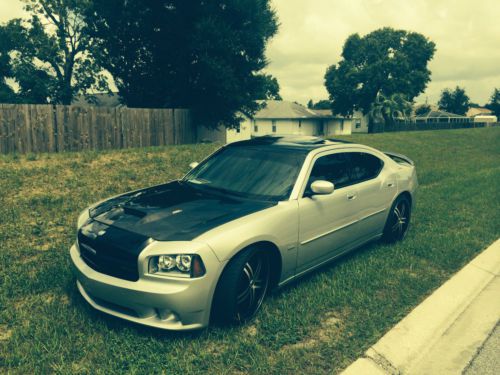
pixel 386 110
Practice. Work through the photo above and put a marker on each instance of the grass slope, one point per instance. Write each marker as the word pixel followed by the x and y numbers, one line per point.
pixel 317 325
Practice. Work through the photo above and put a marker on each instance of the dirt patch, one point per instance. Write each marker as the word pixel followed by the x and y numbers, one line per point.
pixel 40 299
pixel 251 330
pixel 5 333
pixel 330 328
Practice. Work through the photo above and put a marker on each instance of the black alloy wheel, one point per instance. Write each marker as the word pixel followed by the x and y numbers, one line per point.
pixel 398 220
pixel 242 287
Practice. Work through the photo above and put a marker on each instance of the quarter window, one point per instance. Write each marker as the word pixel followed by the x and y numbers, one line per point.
pixel 364 167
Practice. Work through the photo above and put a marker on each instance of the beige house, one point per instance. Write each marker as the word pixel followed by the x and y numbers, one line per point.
pixel 478 111
pixel 482 115
pixel 285 117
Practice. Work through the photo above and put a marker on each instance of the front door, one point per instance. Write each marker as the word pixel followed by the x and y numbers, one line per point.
pixel 327 222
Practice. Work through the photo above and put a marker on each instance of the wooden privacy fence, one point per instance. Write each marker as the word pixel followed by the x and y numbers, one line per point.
pixel 28 128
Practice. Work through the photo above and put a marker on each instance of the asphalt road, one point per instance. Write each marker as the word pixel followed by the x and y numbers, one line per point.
pixel 487 361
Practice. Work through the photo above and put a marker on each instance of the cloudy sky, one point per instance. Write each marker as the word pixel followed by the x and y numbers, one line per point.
pixel 312 32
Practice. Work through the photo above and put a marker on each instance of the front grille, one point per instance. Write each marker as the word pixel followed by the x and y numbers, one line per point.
pixel 114 253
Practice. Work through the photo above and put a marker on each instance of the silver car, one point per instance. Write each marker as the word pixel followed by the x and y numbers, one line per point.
pixel 253 216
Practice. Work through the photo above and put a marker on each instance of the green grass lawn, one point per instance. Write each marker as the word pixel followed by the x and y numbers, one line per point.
pixel 317 325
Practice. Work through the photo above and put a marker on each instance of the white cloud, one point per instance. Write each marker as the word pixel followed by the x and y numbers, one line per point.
pixel 10 9
pixel 312 34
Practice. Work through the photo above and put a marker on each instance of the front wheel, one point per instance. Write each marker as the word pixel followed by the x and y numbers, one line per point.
pixel 398 220
pixel 242 287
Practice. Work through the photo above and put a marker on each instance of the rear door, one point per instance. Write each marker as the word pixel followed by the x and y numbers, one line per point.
pixel 376 187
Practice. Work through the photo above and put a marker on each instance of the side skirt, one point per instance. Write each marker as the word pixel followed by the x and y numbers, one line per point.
pixel 336 256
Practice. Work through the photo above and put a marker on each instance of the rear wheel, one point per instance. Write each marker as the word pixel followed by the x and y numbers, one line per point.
pixel 242 287
pixel 398 220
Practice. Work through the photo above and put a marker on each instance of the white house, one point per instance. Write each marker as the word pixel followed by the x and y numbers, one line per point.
pixel 284 117
pixel 359 122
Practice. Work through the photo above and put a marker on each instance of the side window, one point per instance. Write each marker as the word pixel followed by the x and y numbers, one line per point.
pixel 364 167
pixel 333 168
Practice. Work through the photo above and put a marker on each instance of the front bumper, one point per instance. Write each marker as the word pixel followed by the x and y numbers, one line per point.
pixel 167 303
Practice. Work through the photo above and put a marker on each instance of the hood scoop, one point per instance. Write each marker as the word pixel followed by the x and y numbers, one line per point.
pixel 133 211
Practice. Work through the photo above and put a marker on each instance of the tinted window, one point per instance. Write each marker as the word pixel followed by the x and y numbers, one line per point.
pixel 250 172
pixel 333 168
pixel 364 167
pixel 345 169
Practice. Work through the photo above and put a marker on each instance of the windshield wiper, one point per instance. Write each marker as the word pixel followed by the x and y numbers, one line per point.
pixel 199 181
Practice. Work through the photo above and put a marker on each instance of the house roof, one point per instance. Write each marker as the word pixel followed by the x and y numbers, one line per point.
pixel 323 112
pixel 475 111
pixel 282 109
pixel 439 114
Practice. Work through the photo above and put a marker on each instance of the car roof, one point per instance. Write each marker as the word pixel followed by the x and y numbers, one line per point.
pixel 299 142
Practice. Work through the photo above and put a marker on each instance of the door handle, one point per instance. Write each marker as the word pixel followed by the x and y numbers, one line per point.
pixel 351 196
pixel 390 184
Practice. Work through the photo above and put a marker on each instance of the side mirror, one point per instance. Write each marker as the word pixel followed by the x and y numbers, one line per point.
pixel 193 165
pixel 322 187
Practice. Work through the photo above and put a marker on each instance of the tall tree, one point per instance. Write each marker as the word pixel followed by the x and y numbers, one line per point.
pixel 270 88
pixel 494 103
pixel 321 104
pixel 386 61
pixel 53 53
pixel 7 94
pixel 454 101
pixel 203 55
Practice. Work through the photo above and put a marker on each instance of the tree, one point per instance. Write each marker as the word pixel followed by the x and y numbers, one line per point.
pixel 53 53
pixel 270 88
pixel 386 62
pixel 386 110
pixel 322 104
pixel 455 101
pixel 422 110
pixel 203 55
pixel 7 94
pixel 494 103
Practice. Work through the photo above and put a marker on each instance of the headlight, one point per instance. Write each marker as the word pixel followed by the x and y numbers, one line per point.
pixel 177 265
pixel 83 218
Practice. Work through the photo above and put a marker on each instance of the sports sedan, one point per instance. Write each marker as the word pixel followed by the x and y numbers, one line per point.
pixel 253 216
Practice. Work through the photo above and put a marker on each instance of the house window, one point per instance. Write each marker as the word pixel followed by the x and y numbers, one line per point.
pixel 238 128
pixel 274 126
pixel 255 127
pixel 358 124
pixel 300 124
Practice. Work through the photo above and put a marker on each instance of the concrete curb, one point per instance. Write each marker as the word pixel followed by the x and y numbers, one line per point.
pixel 448 326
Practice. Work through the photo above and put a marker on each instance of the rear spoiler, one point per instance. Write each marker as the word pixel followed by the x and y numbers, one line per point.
pixel 398 158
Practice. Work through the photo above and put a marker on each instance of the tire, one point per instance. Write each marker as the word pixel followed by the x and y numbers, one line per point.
pixel 242 287
pixel 398 220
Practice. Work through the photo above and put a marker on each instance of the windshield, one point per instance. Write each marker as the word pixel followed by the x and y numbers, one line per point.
pixel 250 172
